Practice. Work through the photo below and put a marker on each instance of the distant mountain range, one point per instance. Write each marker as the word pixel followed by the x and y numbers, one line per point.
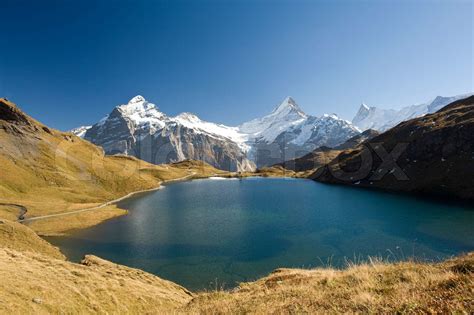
pixel 383 119
pixel 433 154
pixel 139 129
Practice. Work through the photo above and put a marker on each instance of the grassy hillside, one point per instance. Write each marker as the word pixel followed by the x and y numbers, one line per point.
pixel 18 237
pixel 376 288
pixel 47 171
pixel 36 284
pixel 36 278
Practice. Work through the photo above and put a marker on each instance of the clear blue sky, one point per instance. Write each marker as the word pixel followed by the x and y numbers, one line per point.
pixel 68 63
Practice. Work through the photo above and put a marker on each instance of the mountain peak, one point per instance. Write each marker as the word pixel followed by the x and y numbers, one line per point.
pixel 287 106
pixel 136 104
pixel 137 99
pixel 362 113
pixel 290 100
pixel 139 110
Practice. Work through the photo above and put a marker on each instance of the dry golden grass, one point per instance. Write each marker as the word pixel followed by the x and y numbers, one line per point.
pixel 35 278
pixel 270 171
pixel 19 237
pixel 409 287
pixel 36 284
pixel 67 224
pixel 279 171
pixel 9 212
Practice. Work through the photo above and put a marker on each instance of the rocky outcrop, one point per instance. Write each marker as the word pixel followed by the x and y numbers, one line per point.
pixel 14 121
pixel 11 114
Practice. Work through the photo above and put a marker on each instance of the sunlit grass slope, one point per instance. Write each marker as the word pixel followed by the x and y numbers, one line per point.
pixel 375 288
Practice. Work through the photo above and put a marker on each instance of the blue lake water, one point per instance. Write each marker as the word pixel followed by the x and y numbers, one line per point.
pixel 204 233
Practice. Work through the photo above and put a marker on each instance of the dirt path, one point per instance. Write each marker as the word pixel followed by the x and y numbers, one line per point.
pixel 108 203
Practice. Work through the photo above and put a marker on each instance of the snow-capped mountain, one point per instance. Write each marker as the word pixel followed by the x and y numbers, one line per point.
pixel 138 128
pixel 383 119
pixel 282 118
pixel 80 131
pixel 288 133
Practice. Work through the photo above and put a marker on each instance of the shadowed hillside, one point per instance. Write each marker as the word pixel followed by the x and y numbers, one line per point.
pixel 433 154
pixel 307 164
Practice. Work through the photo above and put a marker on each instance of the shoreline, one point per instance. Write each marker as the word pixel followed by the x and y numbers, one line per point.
pixel 108 203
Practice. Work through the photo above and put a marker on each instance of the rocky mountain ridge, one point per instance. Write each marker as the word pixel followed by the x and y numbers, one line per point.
pixel 139 129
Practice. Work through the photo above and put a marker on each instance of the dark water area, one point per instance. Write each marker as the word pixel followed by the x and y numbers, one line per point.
pixel 218 232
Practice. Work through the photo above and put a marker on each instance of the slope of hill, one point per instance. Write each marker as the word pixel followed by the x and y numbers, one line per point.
pixel 18 237
pixel 358 139
pixel 323 155
pixel 36 278
pixel 434 154
pixel 36 284
pixel 375 288
pixel 310 161
pixel 45 171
